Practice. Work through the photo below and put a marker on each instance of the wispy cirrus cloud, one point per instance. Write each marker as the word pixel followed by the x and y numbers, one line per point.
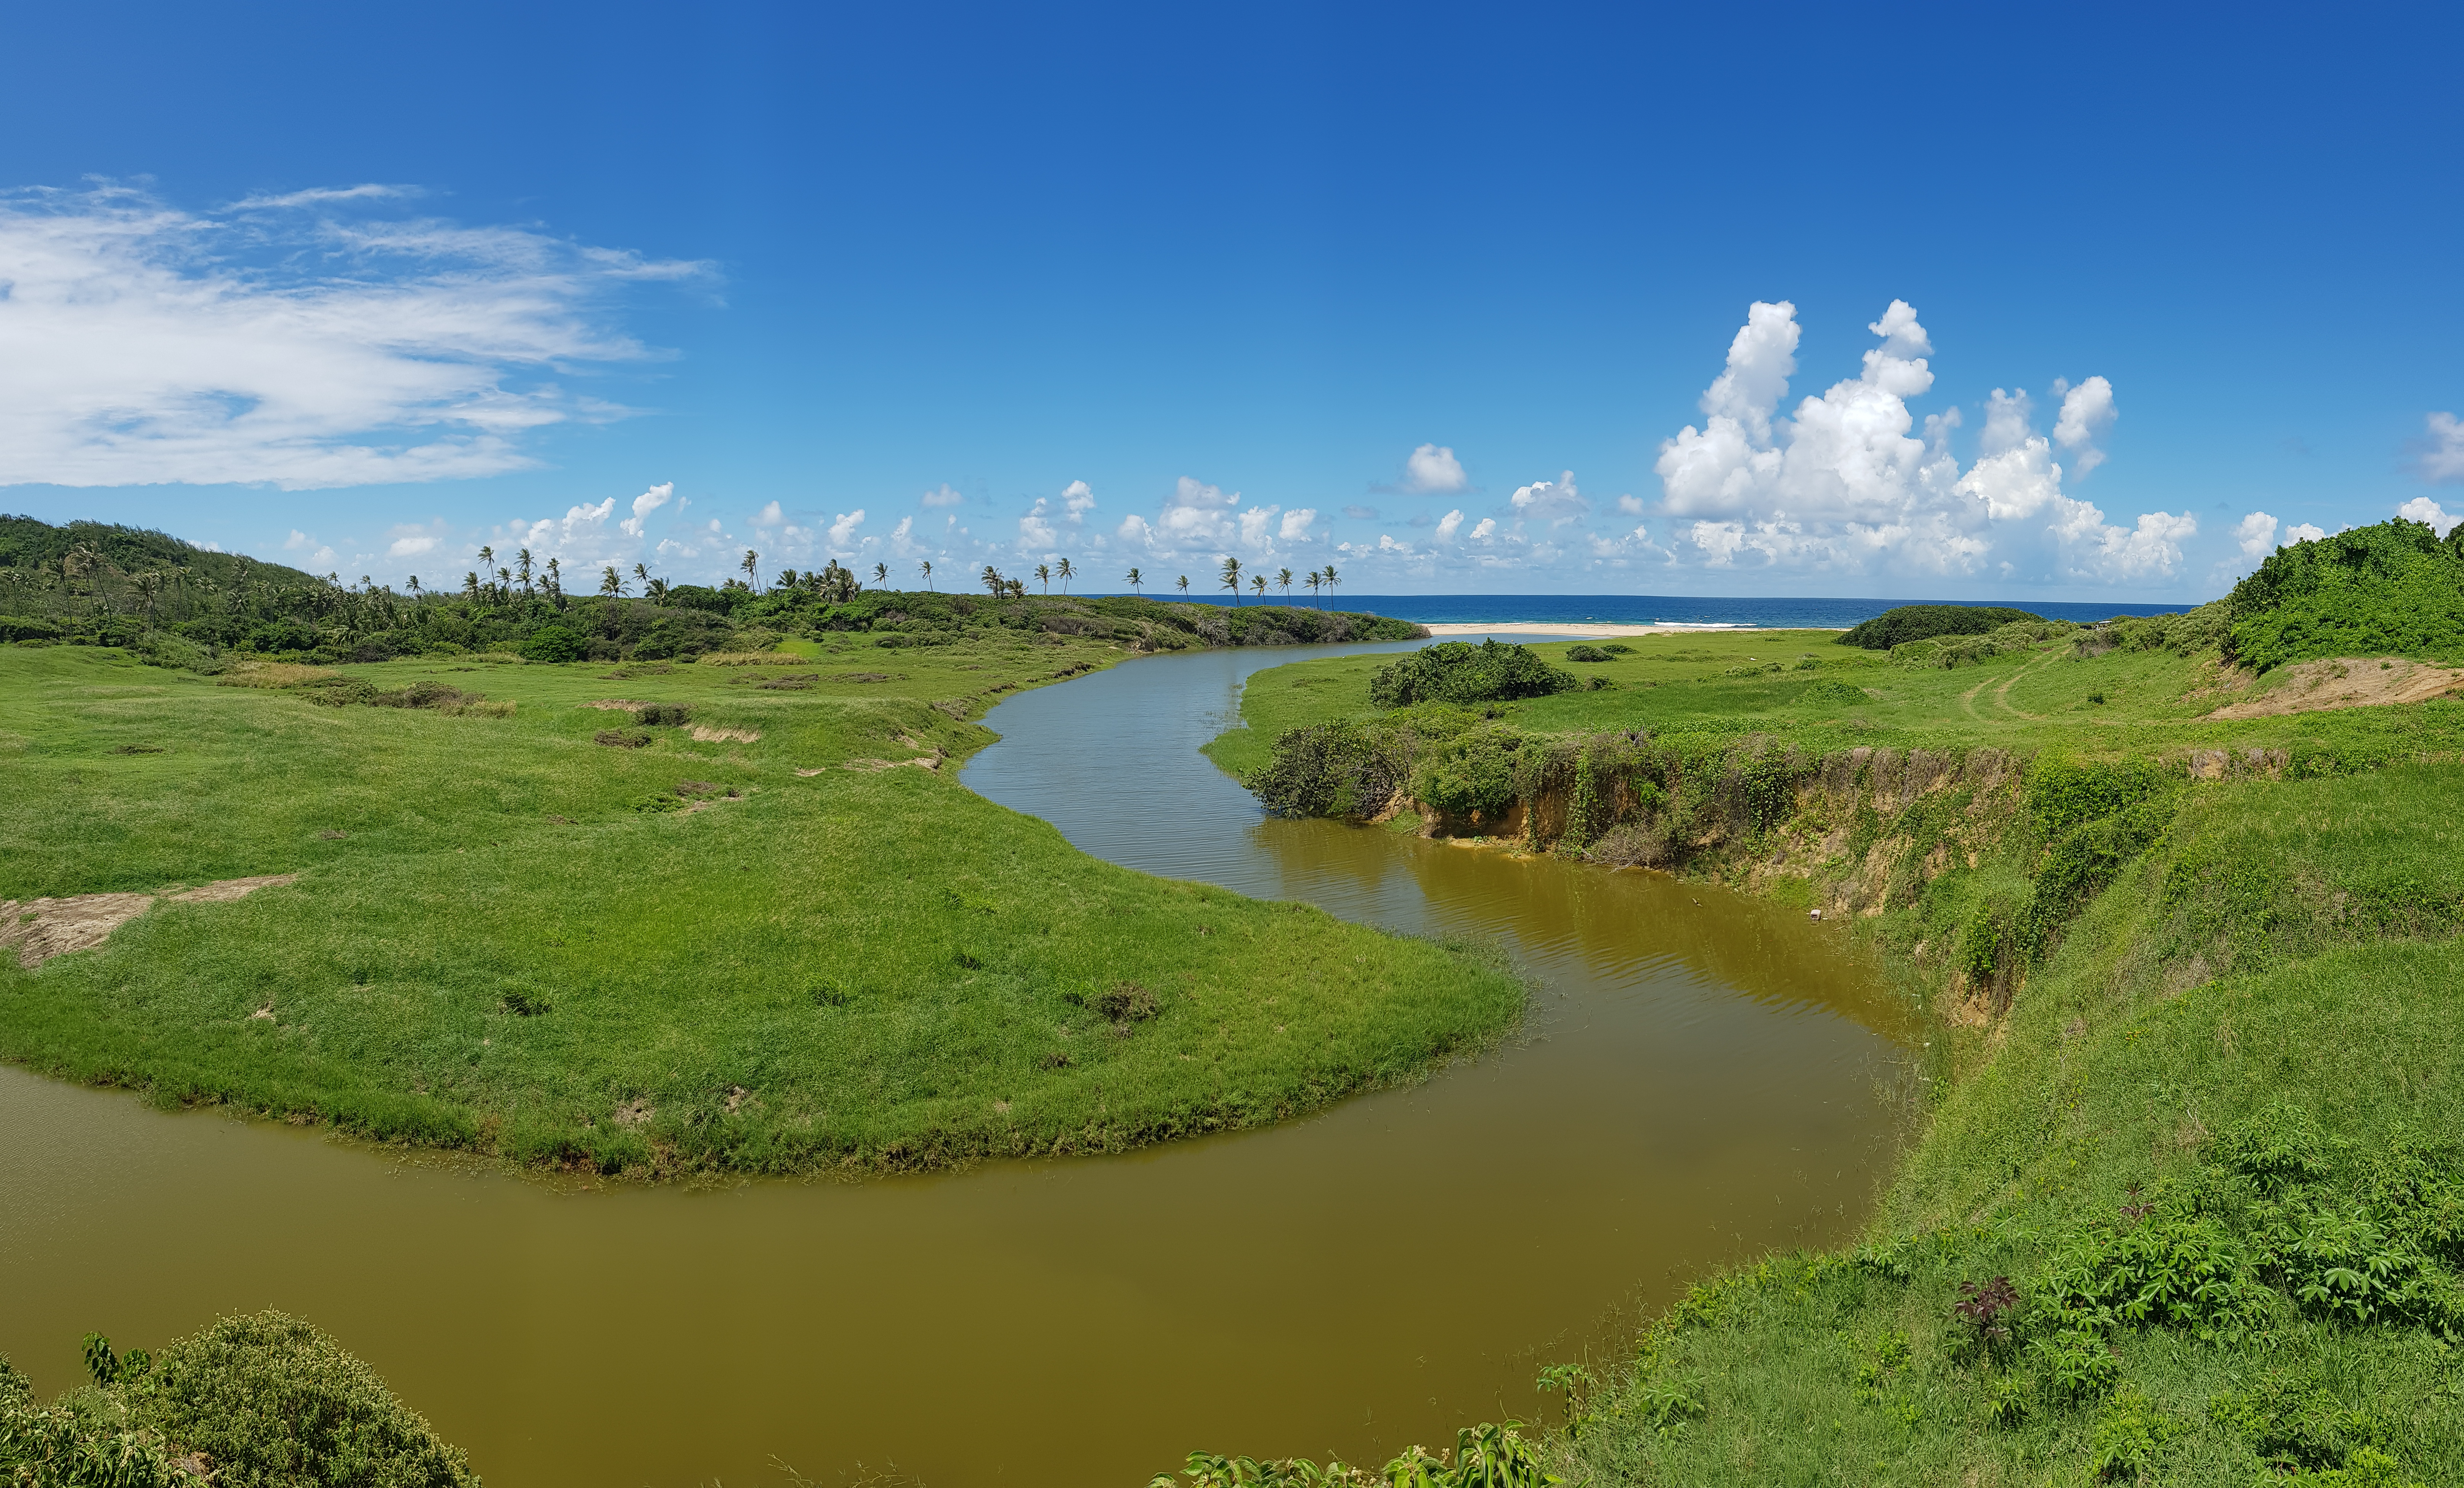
pixel 284 342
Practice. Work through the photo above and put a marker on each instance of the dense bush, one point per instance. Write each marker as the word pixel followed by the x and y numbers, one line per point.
pixel 1460 672
pixel 2391 589
pixel 1469 774
pixel 271 1401
pixel 257 1402
pixel 1333 770
pixel 555 643
pixel 1924 622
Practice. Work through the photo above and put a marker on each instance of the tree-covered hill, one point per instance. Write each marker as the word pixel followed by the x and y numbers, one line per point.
pixel 88 582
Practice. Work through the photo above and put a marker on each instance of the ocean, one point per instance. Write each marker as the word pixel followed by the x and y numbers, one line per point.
pixel 1767 614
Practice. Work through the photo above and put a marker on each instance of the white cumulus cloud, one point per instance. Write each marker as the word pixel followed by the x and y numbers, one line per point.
pixel 2088 412
pixel 843 529
pixel 645 504
pixel 2304 533
pixel 2256 535
pixel 2421 508
pixel 944 496
pixel 1447 525
pixel 2441 455
pixel 1852 482
pixel 289 343
pixel 1433 471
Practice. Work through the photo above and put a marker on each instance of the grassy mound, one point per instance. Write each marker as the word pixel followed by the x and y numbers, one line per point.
pixel 768 934
pixel 1927 622
pixel 2393 589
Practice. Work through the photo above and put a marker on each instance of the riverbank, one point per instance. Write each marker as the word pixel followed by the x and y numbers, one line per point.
pixel 654 918
pixel 2184 1205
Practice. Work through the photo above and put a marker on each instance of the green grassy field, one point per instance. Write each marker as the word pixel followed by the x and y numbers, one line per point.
pixel 2195 1162
pixel 1737 683
pixel 751 955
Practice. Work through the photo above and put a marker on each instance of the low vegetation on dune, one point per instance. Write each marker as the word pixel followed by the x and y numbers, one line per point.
pixel 2188 1201
pixel 651 918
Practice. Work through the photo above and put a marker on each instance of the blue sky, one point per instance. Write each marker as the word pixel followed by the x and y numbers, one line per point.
pixel 1435 295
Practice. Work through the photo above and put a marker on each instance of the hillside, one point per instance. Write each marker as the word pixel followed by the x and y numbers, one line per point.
pixel 2186 1200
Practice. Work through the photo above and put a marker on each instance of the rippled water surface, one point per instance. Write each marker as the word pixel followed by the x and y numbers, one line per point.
pixel 1701 1080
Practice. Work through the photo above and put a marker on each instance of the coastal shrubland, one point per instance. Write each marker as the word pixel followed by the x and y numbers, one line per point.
pixel 653 917
pixel 2183 1200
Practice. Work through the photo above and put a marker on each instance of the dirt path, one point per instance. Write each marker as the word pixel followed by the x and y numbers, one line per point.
pixel 2346 682
pixel 41 928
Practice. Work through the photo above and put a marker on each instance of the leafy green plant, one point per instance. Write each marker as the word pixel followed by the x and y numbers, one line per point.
pixel 2130 1431
pixel 1458 672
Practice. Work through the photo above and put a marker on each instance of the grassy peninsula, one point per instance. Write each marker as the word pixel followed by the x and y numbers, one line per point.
pixel 705 903
pixel 2183 894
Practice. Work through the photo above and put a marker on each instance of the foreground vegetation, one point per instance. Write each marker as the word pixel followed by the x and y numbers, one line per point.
pixel 2188 1205
pixel 251 1402
pixel 658 917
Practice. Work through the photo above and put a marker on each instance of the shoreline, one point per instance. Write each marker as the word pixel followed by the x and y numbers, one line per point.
pixel 1607 629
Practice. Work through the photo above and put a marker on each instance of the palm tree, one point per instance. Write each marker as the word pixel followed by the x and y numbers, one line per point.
pixel 149 587
pixel 1258 583
pixel 471 586
pixel 1330 580
pixel 611 583
pixel 523 567
pixel 1184 586
pixel 655 590
pixel 752 566
pixel 927 566
pixel 504 583
pixel 881 573
pixel 1066 574
pixel 555 580
pixel 1284 582
pixel 991 579
pixel 487 558
pixel 1017 587
pixel 412 585
pixel 642 576
pixel 1136 581
pixel 1232 577
pixel 1044 574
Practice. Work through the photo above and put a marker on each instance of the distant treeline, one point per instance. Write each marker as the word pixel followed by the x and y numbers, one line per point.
pixel 96 584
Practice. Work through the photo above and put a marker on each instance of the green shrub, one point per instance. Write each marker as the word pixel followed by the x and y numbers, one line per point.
pixel 2390 589
pixel 273 1401
pixel 1925 621
pixel 1587 653
pixel 1472 773
pixel 1833 689
pixel 555 643
pixel 1458 672
pixel 1337 769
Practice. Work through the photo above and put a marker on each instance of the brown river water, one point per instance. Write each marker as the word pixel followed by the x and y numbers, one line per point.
pixel 1705 1078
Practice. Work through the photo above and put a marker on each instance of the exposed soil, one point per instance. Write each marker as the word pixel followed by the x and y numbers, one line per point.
pixel 2346 682
pixel 617 704
pixel 42 929
pixel 925 761
pixel 709 736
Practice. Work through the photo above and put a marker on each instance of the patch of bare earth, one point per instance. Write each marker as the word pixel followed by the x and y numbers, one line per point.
pixel 707 735
pixel 2346 682
pixel 41 928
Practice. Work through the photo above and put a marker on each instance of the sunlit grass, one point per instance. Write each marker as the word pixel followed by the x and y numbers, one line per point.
pixel 790 964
